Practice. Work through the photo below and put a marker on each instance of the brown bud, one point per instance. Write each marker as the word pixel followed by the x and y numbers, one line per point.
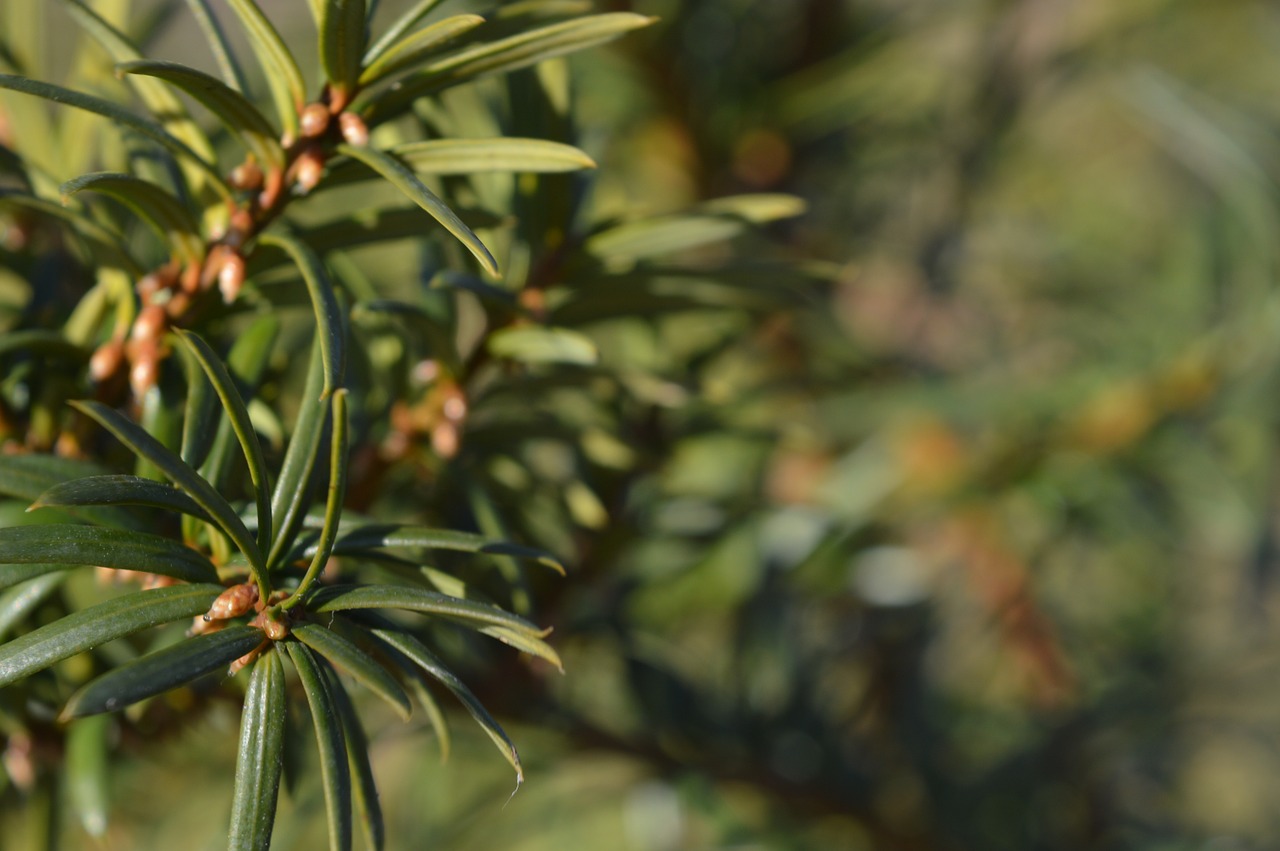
pixel 247 176
pixel 233 602
pixel 151 581
pixel 149 324
pixel 272 185
pixel 309 168
pixel 148 285
pixel 534 300
pixel 19 761
pixel 14 234
pixel 177 305
pixel 106 360
pixel 239 228
pixel 68 446
pixel 231 277
pixel 455 407
pixel 353 128
pixel 200 626
pixel 189 282
pixel 445 440
pixel 313 121
pixel 425 372
pixel 275 629
pixel 247 659
pixel 272 624
pixel 145 371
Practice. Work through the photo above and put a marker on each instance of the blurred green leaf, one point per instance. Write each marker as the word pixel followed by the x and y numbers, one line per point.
pixel 120 490
pixel 86 772
pixel 104 245
pixel 346 656
pixel 416 46
pixel 93 545
pixel 525 643
pixel 334 769
pixel 162 670
pixel 200 417
pixel 328 316
pixel 472 156
pixel 28 476
pixel 161 103
pixel 47 344
pixel 152 204
pixel 238 415
pixel 715 221
pixel 536 344
pixel 508 54
pixel 333 500
pixel 12 575
pixel 418 653
pixel 407 182
pixel 179 472
pixel 353 541
pixel 278 64
pixel 402 24
pixel 338 598
pixel 95 625
pixel 228 65
pixel 415 683
pixel 342 26
pixel 260 758
pixel 21 597
pixel 292 496
pixel 365 791
pixel 439 340
pixel 759 208
pixel 230 107
pixel 383 225
pixel 247 363
pixel 145 127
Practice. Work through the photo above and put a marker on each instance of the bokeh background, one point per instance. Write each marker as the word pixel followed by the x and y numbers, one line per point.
pixel 968 543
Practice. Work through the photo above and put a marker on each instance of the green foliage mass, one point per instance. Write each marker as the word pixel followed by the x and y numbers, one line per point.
pixel 310 434
pixel 935 510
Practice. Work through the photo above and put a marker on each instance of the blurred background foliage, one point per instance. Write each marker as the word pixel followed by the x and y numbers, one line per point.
pixel 968 541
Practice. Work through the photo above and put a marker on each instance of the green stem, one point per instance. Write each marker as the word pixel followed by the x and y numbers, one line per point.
pixel 333 503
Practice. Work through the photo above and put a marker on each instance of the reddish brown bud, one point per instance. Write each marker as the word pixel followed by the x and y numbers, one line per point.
pixel 19 761
pixel 177 305
pixel 143 375
pixel 190 281
pixel 149 324
pixel 106 575
pixel 426 371
pixel 247 659
pixel 234 602
pixel 271 624
pixel 200 626
pixel 247 176
pixel 238 228
pixel 455 407
pixel 309 168
pixel 275 629
pixel 313 121
pixel 231 277
pixel 445 440
pixel 272 185
pixel 106 360
pixel 152 581
pixel 148 285
pixel 68 446
pixel 354 130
